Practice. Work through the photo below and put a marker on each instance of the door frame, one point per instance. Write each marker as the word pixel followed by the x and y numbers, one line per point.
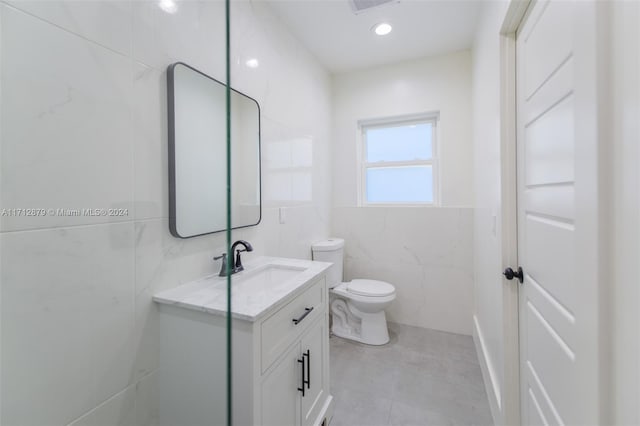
pixel 514 19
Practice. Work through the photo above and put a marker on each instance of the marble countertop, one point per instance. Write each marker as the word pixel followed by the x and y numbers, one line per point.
pixel 250 300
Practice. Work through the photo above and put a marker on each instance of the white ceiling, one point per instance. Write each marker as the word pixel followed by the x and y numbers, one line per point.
pixel 343 41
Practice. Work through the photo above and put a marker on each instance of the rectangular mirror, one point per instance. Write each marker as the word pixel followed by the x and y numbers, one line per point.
pixel 198 155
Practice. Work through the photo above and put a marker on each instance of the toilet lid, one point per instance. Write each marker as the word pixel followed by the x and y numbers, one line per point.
pixel 370 288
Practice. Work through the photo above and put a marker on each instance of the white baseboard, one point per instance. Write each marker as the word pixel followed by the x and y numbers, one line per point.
pixel 491 384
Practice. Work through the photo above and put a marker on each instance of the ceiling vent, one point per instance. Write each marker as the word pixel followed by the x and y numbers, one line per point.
pixel 359 6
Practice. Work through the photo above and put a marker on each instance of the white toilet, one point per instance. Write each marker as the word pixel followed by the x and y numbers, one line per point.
pixel 357 307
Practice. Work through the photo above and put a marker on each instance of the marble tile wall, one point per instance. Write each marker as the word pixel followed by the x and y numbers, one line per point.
pixel 425 253
pixel 82 125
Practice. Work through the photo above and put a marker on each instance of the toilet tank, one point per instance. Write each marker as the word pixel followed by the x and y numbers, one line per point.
pixel 331 250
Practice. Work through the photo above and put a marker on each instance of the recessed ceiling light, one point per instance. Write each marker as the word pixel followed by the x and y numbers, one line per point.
pixel 382 29
pixel 168 6
pixel 252 63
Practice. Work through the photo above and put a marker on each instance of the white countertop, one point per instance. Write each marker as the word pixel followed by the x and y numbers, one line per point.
pixel 249 300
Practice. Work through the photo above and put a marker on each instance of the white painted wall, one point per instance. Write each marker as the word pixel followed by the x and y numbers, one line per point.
pixel 425 252
pixel 441 83
pixel 487 238
pixel 83 119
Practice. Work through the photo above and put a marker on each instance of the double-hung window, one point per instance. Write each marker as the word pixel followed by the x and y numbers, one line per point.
pixel 399 163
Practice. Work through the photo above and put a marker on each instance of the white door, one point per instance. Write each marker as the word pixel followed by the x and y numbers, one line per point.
pixel 558 213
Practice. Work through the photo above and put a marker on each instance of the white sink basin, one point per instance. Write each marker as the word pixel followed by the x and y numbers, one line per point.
pixel 264 283
pixel 266 276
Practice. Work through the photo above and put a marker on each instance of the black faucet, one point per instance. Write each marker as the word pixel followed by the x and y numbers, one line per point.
pixel 237 265
pixel 233 266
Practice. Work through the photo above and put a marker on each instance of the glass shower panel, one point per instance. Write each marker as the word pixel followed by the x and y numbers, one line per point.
pixel 102 317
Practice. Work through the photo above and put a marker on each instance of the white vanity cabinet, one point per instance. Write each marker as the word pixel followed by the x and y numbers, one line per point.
pixel 295 391
pixel 280 357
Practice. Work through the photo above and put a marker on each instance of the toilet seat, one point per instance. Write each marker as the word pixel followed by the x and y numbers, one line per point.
pixel 370 288
pixel 342 290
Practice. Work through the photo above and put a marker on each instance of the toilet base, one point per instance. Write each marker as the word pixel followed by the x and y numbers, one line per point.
pixel 371 329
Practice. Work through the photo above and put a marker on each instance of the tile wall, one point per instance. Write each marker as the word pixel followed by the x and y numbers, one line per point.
pixel 83 125
pixel 426 253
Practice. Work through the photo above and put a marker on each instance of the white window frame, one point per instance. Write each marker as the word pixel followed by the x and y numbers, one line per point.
pixel 364 125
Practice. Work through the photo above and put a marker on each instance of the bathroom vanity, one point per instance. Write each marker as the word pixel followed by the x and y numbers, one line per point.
pixel 280 347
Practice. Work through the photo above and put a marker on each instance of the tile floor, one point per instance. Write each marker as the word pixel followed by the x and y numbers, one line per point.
pixel 421 377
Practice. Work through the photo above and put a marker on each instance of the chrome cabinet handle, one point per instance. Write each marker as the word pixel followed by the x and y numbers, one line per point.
pixel 298 320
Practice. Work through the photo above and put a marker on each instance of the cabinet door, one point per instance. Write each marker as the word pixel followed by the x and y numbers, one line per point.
pixel 280 400
pixel 314 348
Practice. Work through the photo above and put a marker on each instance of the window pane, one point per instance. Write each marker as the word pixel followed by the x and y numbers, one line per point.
pixel 399 143
pixel 411 184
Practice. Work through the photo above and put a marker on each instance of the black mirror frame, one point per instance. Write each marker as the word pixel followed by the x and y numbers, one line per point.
pixel 172 151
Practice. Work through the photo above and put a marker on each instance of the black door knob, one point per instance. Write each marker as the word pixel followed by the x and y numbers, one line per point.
pixel 510 274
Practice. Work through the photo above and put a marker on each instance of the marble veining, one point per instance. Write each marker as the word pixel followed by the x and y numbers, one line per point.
pixel 250 300
pixel 426 253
